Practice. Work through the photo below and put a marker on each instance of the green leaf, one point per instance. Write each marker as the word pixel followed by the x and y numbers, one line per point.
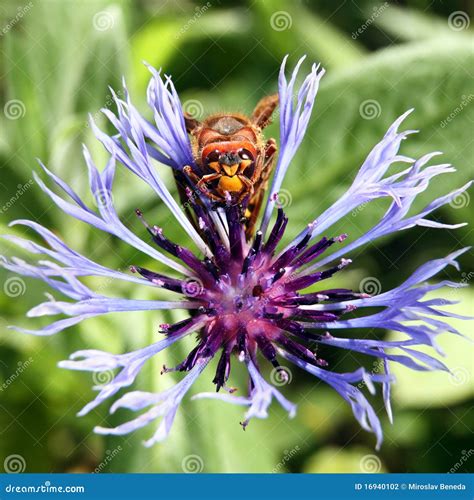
pixel 57 80
pixel 291 27
pixel 431 76
pixel 412 24
pixel 174 32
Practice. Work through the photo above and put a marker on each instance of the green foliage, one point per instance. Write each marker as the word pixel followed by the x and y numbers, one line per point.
pixel 334 460
pixel 389 82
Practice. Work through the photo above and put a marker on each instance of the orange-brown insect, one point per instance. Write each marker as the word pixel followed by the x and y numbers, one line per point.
pixel 233 161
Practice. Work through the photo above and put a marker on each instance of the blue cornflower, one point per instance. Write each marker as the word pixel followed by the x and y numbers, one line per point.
pixel 244 297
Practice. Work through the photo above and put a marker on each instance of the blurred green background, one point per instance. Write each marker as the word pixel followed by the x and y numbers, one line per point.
pixel 58 59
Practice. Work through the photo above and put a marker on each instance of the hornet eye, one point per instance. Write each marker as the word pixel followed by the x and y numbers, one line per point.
pixel 213 156
pixel 245 154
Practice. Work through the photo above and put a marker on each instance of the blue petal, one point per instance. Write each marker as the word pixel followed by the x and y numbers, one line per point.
pixel 342 383
pixel 163 405
pixel 293 124
pixel 259 399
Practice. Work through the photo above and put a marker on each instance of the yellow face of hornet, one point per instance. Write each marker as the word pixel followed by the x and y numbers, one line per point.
pixel 232 160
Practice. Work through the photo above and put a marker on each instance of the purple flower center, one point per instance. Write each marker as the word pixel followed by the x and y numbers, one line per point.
pixel 249 298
